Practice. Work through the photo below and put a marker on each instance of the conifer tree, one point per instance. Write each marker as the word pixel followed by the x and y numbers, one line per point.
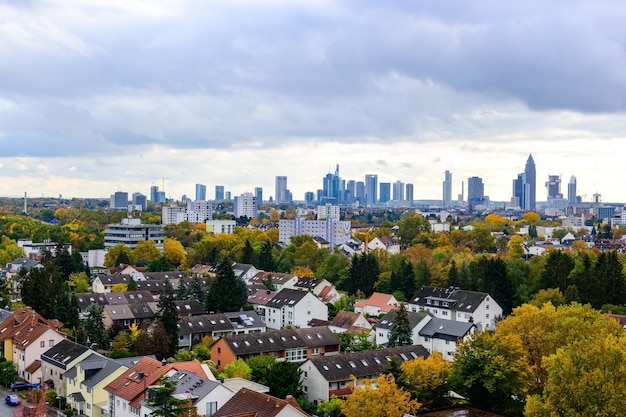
pixel 227 292
pixel 167 315
pixel 401 333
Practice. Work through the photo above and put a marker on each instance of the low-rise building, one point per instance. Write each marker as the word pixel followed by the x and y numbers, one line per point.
pixel 250 403
pixel 59 359
pixel 287 308
pixel 293 345
pixel 326 376
pixel 377 303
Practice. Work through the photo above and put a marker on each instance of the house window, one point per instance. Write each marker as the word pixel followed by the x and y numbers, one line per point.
pixel 88 406
pixel 487 316
pixel 51 343
pixel 444 312
pixel 297 354
pixel 315 351
pixel 219 350
pixel 447 342
pixel 211 408
pixel 487 306
pixel 134 410
pixel 42 344
pixel 426 339
pixel 88 390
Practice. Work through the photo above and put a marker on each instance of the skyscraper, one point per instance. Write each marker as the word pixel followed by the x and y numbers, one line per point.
pixel 409 193
pixel 245 205
pixel 139 200
pixel 219 193
pixel 447 189
pixel 553 185
pixel 521 191
pixel 398 191
pixel 351 191
pixel 475 191
pixel 281 189
pixel 371 189
pixel 359 192
pixel 531 180
pixel 385 192
pixel 258 193
pixel 154 193
pixel 571 190
pixel 119 200
pixel 200 192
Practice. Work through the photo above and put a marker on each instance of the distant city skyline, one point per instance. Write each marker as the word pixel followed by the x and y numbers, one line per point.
pixel 253 90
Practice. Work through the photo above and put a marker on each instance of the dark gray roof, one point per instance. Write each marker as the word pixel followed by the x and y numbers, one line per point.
pixel 286 296
pixel 364 364
pixel 308 283
pixel 73 371
pixel 141 310
pixel 108 367
pixel 205 323
pixel 112 279
pixel 256 343
pixel 244 319
pixel 190 383
pixel 87 299
pixel 188 307
pixel 130 361
pixel 161 276
pixel 452 298
pixel 386 321
pixel 63 353
pixel 446 329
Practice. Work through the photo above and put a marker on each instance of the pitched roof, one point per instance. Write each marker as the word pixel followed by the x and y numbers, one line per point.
pixel 32 368
pixel 21 319
pixel 286 296
pixel 378 299
pixel 386 321
pixel 452 298
pixel 255 343
pixel 446 329
pixel 365 363
pixel 307 283
pixel 192 386
pixel 255 404
pixel 345 319
pixel 24 337
pixel 63 353
pixel 261 297
pixel 130 385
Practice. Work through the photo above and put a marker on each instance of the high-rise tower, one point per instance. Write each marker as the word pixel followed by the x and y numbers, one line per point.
pixel 281 189
pixel 371 189
pixel 531 180
pixel 571 190
pixel 447 189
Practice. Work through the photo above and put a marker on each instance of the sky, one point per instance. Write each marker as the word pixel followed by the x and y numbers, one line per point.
pixel 101 96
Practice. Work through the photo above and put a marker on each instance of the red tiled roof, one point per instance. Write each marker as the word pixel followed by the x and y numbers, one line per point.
pixel 21 319
pixel 131 384
pixel 32 368
pixel 251 403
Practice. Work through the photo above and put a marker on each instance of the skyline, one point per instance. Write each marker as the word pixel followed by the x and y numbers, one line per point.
pixel 102 96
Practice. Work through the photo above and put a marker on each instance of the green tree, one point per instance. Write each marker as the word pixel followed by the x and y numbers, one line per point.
pixel 78 282
pixel 410 227
pixel 266 259
pixel 132 285
pixel 94 328
pixel 558 266
pixel 401 333
pixel 260 366
pixel 160 265
pixel 247 253
pixel 167 315
pixel 147 251
pixel 236 369
pixel 227 291
pixel 42 289
pixel 284 378
pixel 162 401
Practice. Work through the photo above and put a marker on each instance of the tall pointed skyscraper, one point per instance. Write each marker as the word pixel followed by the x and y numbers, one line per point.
pixel 531 180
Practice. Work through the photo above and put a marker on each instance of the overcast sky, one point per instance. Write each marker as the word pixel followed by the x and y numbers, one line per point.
pixel 98 96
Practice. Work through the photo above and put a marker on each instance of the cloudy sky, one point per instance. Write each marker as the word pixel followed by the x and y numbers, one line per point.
pixel 105 95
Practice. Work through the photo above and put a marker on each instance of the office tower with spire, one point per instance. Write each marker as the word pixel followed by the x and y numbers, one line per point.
pixel 531 179
pixel 447 189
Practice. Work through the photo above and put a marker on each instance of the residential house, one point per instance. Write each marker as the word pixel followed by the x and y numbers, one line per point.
pixel 28 345
pixel 85 382
pixel 322 288
pixel 237 384
pixel 205 394
pixel 249 403
pixel 377 303
pixel 126 391
pixel 244 271
pixel 17 321
pixel 293 345
pixel 288 307
pixel 59 359
pixel 352 247
pixel 192 329
pixel 349 321
pixel 458 305
pixel 12 269
pixel 279 280
pixel 200 270
pixel 387 243
pixel 325 376
pixel 434 334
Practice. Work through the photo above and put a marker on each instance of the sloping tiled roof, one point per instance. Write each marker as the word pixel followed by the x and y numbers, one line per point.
pixel 63 353
pixel 286 296
pixel 345 319
pixel 364 364
pixel 386 321
pixel 251 403
pixel 22 319
pixel 377 299
pixel 457 299
pixel 255 343
pixel 32 368
pixel 446 329
pixel 24 337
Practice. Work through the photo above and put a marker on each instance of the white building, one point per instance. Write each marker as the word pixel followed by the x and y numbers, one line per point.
pixel 288 307
pixel 246 206
pixel 328 211
pixel 221 226
pixel 195 212
pixel 131 231
pixel 458 305
pixel 334 231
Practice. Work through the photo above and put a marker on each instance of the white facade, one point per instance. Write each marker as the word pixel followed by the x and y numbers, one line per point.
pixel 295 313
pixel 334 231
pixel 195 212
pixel 246 206
pixel 328 211
pixel 131 231
pixel 221 226
pixel 24 356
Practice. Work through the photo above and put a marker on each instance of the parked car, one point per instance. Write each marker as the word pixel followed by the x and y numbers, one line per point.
pixel 12 399
pixel 20 386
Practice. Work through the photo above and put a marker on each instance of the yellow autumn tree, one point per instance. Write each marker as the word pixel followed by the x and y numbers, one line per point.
pixel 146 250
pixel 495 222
pixel 302 271
pixel 174 252
pixel 515 246
pixel 379 397
pixel 120 287
pixel 427 378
